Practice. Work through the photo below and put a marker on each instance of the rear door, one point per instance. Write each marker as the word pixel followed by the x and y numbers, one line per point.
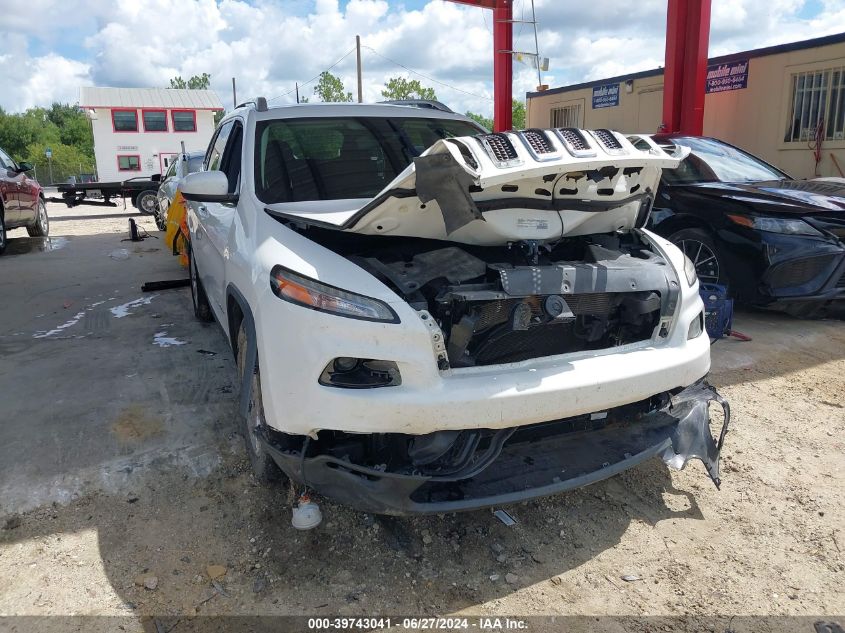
pixel 216 218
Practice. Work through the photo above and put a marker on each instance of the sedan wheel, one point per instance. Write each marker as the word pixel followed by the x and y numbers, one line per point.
pixel 42 222
pixel 699 247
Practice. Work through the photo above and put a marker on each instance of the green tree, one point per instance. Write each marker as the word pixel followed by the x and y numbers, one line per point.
pixel 330 89
pixel 518 115
pixel 483 121
pixel 27 134
pixel 16 132
pixel 399 88
pixel 66 161
pixel 197 82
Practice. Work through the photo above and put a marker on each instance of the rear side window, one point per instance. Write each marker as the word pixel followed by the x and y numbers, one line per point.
pixel 225 153
pixel 215 151
pixel 5 161
pixel 340 158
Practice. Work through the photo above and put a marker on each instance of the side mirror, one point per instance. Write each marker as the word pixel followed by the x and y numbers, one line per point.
pixel 156 177
pixel 207 186
pixel 22 167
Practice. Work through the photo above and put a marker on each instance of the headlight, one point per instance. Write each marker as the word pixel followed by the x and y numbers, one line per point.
pixel 689 271
pixel 316 295
pixel 787 226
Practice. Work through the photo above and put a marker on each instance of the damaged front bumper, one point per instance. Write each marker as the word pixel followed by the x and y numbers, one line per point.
pixel 531 461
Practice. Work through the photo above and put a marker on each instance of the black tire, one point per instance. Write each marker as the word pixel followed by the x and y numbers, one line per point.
pixel 698 245
pixel 160 218
pixel 41 228
pixel 147 202
pixel 263 467
pixel 202 308
pixel 2 232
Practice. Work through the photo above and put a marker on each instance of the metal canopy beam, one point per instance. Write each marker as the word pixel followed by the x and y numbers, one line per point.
pixel 687 35
pixel 502 59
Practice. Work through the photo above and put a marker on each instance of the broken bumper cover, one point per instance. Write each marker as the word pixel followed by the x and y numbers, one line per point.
pixel 527 467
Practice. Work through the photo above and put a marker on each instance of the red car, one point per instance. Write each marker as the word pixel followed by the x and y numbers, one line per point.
pixel 21 200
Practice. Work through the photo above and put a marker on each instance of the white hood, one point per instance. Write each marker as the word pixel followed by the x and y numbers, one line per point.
pixel 498 188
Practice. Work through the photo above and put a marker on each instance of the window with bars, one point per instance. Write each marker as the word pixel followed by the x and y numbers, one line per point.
pixel 567 116
pixel 818 99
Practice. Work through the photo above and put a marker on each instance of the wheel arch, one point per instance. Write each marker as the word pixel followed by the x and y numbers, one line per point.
pixel 677 223
pixel 238 312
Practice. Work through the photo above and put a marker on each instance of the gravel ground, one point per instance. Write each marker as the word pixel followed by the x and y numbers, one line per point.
pixel 648 542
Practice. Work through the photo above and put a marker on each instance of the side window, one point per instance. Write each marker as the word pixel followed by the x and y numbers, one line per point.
pixel 215 150
pixel 230 163
pixel 5 161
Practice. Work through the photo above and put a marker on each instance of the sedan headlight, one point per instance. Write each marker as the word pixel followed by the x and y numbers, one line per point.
pixel 689 271
pixel 787 226
pixel 316 295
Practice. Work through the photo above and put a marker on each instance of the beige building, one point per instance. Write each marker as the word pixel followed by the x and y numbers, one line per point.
pixel 775 102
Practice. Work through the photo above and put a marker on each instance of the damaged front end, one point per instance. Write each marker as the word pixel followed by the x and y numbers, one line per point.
pixel 451 471
pixel 563 335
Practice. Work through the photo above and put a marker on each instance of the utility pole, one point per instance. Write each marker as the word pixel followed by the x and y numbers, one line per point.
pixel 358 51
pixel 235 94
pixel 297 92
pixel 536 46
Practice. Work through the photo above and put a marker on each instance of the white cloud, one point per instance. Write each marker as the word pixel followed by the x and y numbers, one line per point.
pixel 269 46
pixel 33 81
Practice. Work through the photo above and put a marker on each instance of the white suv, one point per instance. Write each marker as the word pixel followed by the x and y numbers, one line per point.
pixel 428 318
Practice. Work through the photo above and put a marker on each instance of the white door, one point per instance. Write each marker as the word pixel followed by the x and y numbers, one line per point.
pixel 216 218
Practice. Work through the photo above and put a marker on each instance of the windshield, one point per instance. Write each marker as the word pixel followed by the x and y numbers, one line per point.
pixel 340 158
pixel 713 161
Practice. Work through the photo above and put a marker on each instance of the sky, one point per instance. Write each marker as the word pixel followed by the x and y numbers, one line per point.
pixel 53 47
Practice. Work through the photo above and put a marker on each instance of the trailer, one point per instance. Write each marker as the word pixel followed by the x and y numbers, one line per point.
pixel 141 193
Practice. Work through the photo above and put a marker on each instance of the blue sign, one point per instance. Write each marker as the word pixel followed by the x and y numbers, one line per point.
pixel 606 96
pixel 723 77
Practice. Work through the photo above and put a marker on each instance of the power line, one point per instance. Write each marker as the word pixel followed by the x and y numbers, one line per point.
pixel 317 76
pixel 411 70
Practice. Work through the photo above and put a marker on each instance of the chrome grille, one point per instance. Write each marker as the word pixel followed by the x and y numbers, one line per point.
pixel 499 146
pixel 608 139
pixel 574 138
pixel 538 141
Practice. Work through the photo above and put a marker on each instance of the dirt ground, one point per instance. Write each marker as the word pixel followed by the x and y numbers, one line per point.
pixel 178 541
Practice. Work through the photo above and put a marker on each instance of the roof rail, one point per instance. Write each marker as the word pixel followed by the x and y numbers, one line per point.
pixel 420 103
pixel 260 104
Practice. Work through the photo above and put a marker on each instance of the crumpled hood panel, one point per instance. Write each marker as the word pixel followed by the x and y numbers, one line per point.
pixel 498 188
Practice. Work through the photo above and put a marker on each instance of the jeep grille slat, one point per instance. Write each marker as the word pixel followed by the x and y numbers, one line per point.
pixel 499 147
pixel 608 140
pixel 538 141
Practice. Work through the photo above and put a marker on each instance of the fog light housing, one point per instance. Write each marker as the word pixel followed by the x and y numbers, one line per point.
pixel 346 372
pixel 696 327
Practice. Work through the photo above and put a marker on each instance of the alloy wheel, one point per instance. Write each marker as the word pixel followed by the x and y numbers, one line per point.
pixel 703 258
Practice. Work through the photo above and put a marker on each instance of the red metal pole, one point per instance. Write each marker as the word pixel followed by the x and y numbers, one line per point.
pixel 687 35
pixel 695 67
pixel 676 17
pixel 503 66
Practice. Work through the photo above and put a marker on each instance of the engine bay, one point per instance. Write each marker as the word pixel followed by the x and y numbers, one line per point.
pixel 524 300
